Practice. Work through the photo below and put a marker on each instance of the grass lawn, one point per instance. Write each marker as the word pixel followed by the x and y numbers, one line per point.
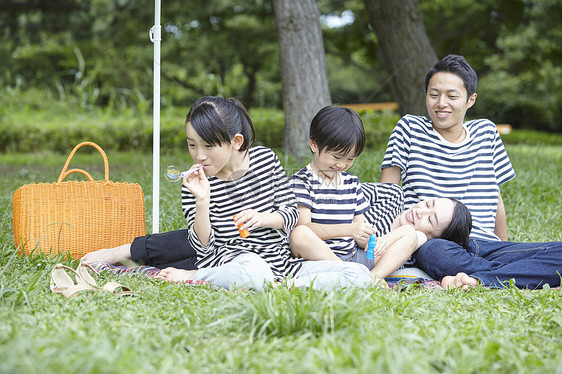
pixel 166 328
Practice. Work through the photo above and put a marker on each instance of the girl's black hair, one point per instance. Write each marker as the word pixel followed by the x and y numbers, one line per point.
pixel 457 65
pixel 458 230
pixel 338 129
pixel 217 120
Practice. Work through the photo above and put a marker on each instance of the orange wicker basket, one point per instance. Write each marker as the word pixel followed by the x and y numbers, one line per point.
pixel 77 216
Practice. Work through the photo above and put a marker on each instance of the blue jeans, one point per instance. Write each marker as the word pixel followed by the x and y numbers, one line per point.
pixel 250 270
pixel 494 263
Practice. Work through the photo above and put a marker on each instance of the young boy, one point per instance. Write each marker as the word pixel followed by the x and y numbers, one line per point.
pixel 444 156
pixel 331 203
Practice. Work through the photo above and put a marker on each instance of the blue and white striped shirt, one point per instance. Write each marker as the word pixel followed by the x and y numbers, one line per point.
pixel 470 171
pixel 330 203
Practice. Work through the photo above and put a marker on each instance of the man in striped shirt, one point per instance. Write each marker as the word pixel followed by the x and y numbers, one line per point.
pixel 444 156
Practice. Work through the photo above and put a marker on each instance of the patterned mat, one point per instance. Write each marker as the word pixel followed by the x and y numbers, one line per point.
pixel 395 283
pixel 400 283
pixel 149 271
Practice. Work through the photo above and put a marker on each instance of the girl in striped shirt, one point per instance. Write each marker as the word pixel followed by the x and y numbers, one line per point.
pixel 241 187
pixel 234 187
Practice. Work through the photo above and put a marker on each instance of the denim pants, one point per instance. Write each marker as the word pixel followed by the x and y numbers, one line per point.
pixel 250 270
pixel 494 263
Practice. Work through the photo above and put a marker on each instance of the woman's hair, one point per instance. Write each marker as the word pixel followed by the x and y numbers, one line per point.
pixel 338 129
pixel 217 120
pixel 458 230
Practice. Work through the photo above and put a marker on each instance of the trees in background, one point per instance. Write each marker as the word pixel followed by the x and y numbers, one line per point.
pixel 303 69
pixel 97 53
pixel 406 51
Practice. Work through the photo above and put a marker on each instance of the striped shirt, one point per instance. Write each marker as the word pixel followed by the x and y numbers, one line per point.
pixel 470 171
pixel 386 202
pixel 265 188
pixel 331 203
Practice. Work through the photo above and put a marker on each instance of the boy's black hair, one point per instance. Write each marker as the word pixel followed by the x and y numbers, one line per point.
pixel 217 120
pixel 458 230
pixel 338 129
pixel 457 65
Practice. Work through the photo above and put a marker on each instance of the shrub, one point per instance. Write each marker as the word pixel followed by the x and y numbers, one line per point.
pixel 34 120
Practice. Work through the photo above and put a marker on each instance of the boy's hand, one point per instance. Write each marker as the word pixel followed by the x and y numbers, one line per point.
pixel 198 184
pixel 361 232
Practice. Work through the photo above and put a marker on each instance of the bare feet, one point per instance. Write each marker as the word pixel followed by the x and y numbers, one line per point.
pixel 176 275
pixel 459 280
pixel 113 256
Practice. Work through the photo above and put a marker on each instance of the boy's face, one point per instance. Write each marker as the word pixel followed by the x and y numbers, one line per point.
pixel 446 102
pixel 328 164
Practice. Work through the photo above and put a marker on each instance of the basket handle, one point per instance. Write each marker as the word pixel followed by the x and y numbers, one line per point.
pixel 78 171
pixel 64 173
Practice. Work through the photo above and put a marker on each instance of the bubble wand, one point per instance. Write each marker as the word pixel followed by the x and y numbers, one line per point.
pixel 173 174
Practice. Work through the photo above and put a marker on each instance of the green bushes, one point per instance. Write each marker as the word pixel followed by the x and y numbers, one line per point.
pixel 33 120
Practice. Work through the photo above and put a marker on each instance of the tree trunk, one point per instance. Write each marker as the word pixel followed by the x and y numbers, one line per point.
pixel 303 69
pixel 407 52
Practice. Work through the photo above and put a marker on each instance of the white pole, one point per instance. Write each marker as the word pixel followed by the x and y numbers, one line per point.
pixel 156 37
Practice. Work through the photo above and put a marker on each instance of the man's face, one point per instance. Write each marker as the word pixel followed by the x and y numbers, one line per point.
pixel 446 102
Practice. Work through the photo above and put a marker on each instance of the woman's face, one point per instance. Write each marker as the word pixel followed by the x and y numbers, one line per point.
pixel 431 217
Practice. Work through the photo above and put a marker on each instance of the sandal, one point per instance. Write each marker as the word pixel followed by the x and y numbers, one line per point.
pixel 78 289
pixel 60 280
pixel 83 271
pixel 113 288
pixel 117 289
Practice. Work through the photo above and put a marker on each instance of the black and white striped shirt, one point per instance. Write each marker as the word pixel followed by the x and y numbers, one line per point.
pixel 386 202
pixel 330 203
pixel 470 171
pixel 265 188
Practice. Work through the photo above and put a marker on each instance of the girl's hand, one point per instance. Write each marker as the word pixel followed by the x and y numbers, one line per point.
pixel 198 184
pixel 361 232
pixel 249 218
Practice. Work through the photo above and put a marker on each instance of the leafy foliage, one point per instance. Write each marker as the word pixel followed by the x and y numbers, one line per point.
pixel 97 54
pixel 30 121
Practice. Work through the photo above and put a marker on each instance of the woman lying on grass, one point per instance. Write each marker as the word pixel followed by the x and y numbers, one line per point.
pixel 331 203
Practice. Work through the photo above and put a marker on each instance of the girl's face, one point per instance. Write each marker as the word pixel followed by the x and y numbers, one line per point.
pixel 216 158
pixel 431 217
pixel 328 164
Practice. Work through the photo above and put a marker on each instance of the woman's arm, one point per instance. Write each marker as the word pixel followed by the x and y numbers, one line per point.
pixel 501 219
pixel 391 174
pixel 393 250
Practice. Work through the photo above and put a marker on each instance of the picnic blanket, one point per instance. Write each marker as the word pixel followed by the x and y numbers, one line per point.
pixel 396 283
pixel 149 271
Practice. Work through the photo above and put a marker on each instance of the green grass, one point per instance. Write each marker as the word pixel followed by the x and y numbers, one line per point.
pixel 169 328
